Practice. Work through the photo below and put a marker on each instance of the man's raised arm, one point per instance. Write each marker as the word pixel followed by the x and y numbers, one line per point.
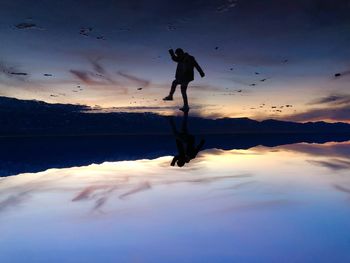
pixel 173 56
pixel 199 69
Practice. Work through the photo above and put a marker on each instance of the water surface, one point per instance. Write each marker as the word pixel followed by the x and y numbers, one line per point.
pixel 282 204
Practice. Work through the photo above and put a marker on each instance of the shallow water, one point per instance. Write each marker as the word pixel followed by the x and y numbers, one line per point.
pixel 283 204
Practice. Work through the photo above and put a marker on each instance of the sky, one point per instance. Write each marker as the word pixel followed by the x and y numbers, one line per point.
pixel 262 59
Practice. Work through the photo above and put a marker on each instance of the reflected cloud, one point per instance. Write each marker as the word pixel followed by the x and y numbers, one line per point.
pixel 342 188
pixel 86 193
pixel 13 200
pixel 217 178
pixel 220 171
pixel 333 164
pixel 262 205
pixel 337 150
pixel 99 203
pixel 238 186
pixel 139 188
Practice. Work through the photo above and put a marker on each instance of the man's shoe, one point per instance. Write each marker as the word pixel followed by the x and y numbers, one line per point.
pixel 168 98
pixel 185 109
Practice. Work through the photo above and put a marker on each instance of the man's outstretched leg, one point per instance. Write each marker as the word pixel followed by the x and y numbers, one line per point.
pixel 185 108
pixel 172 91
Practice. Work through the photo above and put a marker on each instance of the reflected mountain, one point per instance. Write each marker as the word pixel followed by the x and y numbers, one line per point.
pixel 34 154
pixel 60 135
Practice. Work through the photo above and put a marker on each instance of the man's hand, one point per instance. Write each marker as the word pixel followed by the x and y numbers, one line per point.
pixel 171 51
pixel 202 74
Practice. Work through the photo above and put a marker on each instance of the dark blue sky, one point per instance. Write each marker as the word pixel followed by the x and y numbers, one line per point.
pixel 297 46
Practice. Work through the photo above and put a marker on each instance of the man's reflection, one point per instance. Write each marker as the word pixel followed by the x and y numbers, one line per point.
pixel 185 143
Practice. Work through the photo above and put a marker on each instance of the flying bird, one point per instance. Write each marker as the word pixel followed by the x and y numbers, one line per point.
pixel 85 31
pixel 171 27
pixel 227 6
pixel 342 74
pixel 19 73
pixel 25 25
pixel 47 75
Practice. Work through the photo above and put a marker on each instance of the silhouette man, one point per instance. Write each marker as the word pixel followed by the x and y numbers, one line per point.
pixel 185 143
pixel 184 74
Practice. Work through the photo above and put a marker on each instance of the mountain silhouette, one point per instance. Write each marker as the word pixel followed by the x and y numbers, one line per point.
pixel 37 118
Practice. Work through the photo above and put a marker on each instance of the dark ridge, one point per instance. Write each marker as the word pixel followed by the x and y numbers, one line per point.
pixel 35 154
pixel 37 118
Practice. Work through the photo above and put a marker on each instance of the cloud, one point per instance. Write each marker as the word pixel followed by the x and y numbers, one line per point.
pixel 84 76
pixel 12 72
pixel 97 66
pixel 138 81
pixel 336 99
pixel 91 78
pixel 335 114
pixel 206 87
pixel 97 76
pixel 334 107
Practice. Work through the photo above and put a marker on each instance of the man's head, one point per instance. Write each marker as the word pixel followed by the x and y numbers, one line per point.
pixel 179 52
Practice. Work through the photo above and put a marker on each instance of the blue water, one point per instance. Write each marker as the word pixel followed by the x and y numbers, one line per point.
pixel 283 204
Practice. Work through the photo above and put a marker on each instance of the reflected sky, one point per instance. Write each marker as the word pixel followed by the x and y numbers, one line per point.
pixel 283 204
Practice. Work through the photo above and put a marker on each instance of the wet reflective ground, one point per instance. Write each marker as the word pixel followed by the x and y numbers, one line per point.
pixel 282 204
